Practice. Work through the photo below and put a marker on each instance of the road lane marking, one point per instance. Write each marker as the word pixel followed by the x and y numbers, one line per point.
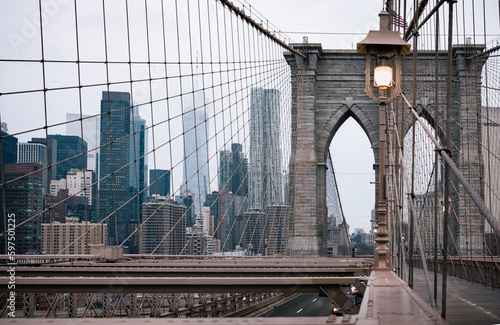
pixel 478 307
pixel 298 311
pixel 315 299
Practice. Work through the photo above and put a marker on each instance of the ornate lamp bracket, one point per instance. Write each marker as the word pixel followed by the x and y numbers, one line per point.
pixel 393 92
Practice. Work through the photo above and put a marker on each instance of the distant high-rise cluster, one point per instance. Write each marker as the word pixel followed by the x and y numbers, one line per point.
pixel 232 200
pixel 97 176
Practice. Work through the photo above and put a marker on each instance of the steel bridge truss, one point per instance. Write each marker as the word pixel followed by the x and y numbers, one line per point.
pixel 177 288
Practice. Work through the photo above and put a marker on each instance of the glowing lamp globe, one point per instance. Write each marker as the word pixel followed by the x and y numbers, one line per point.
pixel 382 77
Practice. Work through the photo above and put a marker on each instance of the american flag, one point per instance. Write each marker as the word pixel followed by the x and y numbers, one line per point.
pixel 398 20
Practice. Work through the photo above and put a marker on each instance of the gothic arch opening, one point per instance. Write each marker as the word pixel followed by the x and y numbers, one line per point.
pixel 353 160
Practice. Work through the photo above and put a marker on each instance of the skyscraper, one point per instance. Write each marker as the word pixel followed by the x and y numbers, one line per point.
pixel 66 151
pixel 32 153
pixel 9 147
pixel 115 154
pixel 255 225
pixel 265 180
pixel 69 150
pixel 239 182
pixel 187 200
pixel 195 125
pixel 233 167
pixel 226 220
pixel 277 225
pixel 90 135
pixel 165 230
pixel 35 153
pixel 159 180
pixel 51 157
pixel 73 236
pixel 55 207
pixel 138 174
pixel 225 170
pixel 490 127
pixel 77 180
pixel 24 201
pixel 212 202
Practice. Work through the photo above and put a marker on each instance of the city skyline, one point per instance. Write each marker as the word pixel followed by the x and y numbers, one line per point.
pixel 170 139
pixel 342 33
pixel 233 174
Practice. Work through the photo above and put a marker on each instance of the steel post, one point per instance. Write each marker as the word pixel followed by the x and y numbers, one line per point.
pixel 382 254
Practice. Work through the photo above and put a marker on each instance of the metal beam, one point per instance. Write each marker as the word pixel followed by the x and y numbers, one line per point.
pixel 29 307
pixel 257 26
pixel 136 271
pixel 484 53
pixel 361 287
pixel 410 33
pixel 52 256
pixel 414 21
pixel 156 261
pixel 340 298
pixel 174 285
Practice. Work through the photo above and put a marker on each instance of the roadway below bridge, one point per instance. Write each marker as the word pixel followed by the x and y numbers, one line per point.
pixel 304 305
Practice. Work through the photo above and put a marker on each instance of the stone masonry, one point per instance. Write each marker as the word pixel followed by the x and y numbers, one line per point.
pixel 328 89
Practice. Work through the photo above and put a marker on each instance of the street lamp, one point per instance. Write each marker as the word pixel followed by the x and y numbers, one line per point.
pixel 385 48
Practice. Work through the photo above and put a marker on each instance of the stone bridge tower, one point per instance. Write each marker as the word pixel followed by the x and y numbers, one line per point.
pixel 328 89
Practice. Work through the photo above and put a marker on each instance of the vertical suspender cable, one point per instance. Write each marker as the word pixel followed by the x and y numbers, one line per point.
pixel 412 194
pixel 436 155
pixel 447 168
pixel 44 84
pixel 488 148
pixel 85 189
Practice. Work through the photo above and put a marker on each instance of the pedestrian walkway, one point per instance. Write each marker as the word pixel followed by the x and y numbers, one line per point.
pixel 467 303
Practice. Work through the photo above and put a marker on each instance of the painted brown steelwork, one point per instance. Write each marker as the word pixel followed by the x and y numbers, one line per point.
pixel 175 284
pixel 136 271
pixel 257 26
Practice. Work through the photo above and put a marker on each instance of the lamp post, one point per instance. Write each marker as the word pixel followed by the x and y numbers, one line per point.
pixel 385 48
